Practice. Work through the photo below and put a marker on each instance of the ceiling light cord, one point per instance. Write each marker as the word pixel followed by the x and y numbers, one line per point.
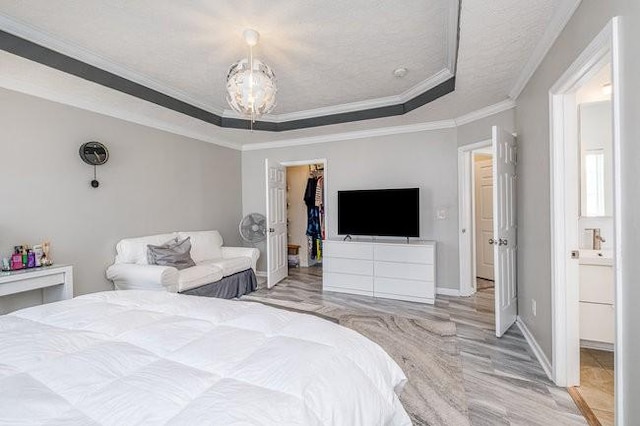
pixel 251 97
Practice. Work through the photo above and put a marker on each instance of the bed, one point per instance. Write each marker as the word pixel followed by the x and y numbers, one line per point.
pixel 144 357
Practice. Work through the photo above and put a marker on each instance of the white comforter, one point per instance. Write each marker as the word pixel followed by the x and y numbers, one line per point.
pixel 137 357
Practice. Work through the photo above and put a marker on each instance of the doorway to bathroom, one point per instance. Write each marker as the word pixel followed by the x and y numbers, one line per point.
pixel 584 217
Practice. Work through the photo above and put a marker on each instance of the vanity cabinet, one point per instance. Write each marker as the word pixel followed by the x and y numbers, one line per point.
pixel 597 307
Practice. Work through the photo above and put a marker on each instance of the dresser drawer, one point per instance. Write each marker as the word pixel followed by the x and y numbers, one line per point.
pixel 404 287
pixel 342 282
pixel 347 250
pixel 348 266
pixel 404 271
pixel 404 253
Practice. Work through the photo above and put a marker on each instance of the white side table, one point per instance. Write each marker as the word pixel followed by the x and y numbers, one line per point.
pixel 55 281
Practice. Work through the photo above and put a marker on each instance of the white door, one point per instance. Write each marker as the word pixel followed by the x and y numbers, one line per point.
pixel 504 225
pixel 484 218
pixel 277 222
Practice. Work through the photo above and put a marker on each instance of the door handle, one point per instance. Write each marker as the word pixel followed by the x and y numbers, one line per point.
pixel 502 242
pixel 272 230
pixel 492 241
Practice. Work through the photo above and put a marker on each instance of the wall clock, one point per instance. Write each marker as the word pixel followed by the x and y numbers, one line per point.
pixel 94 154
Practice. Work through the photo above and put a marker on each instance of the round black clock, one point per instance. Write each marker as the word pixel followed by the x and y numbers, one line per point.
pixel 94 153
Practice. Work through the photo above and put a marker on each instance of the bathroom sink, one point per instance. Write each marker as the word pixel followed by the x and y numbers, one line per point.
pixel 596 257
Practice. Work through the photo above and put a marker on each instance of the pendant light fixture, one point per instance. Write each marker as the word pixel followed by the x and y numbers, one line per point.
pixel 251 84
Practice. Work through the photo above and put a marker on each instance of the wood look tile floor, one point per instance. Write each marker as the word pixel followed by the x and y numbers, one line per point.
pixel 597 383
pixel 503 382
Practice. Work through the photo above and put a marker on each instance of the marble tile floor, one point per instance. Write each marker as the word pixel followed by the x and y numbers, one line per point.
pixel 503 382
pixel 597 383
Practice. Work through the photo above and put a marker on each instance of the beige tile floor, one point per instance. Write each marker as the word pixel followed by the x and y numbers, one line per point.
pixel 596 383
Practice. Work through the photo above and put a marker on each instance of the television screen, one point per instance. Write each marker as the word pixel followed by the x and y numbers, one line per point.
pixel 379 212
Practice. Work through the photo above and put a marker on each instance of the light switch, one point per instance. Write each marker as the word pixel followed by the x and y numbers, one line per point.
pixel 441 214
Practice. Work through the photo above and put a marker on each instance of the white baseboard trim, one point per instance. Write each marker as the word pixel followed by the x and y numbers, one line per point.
pixel 601 346
pixel 448 291
pixel 535 347
pixel 261 274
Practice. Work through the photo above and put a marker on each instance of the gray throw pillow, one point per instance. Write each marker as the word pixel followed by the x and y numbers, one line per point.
pixel 176 253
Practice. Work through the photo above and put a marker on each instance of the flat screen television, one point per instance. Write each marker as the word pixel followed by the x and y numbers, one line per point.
pixel 379 212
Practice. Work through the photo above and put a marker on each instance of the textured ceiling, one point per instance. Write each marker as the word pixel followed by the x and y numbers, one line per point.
pixel 324 53
pixel 497 38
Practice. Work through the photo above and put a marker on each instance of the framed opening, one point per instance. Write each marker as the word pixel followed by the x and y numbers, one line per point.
pixel 566 206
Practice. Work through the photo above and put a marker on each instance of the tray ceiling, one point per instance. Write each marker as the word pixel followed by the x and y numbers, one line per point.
pixel 330 57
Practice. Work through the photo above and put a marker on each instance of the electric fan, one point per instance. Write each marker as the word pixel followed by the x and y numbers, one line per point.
pixel 253 228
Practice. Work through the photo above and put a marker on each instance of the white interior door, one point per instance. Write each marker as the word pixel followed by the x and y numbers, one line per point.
pixel 483 171
pixel 277 222
pixel 504 225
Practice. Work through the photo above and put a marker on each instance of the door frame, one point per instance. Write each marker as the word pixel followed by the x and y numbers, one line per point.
pixel 292 163
pixel 466 216
pixel 565 200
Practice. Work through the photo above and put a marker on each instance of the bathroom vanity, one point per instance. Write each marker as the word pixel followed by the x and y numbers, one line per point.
pixel 597 299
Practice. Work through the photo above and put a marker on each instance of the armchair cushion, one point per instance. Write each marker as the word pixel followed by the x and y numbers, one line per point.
pixel 198 275
pixel 205 245
pixel 232 265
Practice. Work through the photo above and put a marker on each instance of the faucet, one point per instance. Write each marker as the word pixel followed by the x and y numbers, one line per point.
pixel 597 238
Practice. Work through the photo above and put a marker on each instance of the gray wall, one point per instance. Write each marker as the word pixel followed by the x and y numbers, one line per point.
pixel 154 182
pixel 427 160
pixel 480 130
pixel 532 118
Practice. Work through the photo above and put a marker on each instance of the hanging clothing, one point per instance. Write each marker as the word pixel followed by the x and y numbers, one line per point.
pixel 310 192
pixel 313 222
pixel 314 226
pixel 319 197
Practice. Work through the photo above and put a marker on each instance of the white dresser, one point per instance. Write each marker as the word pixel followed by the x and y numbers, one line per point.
pixel 387 269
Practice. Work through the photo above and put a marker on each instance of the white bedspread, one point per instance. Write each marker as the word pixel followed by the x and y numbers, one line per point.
pixel 138 357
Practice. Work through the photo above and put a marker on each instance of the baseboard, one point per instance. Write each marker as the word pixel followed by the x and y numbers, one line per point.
pixel 601 346
pixel 448 291
pixel 261 274
pixel 535 347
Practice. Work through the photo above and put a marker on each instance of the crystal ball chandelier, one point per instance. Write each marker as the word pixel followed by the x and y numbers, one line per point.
pixel 251 84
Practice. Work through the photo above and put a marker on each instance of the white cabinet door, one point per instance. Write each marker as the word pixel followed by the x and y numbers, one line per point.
pixel 504 228
pixel 277 268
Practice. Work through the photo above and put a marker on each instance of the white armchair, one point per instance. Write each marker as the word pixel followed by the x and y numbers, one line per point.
pixel 131 269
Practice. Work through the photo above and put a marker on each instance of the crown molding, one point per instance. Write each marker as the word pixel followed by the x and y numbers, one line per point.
pixel 481 113
pixel 386 131
pixel 359 134
pixel 560 18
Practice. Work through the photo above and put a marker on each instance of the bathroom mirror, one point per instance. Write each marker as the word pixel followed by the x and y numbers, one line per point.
pixel 596 186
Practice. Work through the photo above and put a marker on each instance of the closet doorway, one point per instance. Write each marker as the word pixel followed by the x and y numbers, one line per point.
pixel 305 215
